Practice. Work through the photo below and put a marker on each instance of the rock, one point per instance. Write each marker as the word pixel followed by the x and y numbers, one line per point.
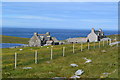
pixel 27 67
pixel 88 61
pixel 103 51
pixel 73 65
pixel 20 49
pixel 50 72
pixel 75 76
pixel 59 78
pixel 79 72
pixel 48 62
pixel 106 73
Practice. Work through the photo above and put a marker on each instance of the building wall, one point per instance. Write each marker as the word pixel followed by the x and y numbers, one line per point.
pixel 76 40
pixel 92 37
pixel 34 41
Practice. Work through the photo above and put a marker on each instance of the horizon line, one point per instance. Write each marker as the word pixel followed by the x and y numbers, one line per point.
pixel 63 28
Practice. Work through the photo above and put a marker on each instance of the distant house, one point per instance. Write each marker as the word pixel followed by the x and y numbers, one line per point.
pixel 42 39
pixel 95 36
pixel 76 40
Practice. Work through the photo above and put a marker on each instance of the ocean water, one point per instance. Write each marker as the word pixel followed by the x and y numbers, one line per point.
pixel 7 45
pixel 60 34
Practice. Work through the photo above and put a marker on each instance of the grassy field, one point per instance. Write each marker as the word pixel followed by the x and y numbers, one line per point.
pixel 102 62
pixel 11 39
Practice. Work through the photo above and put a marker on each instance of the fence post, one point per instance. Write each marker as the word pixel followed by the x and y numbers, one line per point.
pixel 88 46
pixel 15 60
pixel 35 56
pixel 81 46
pixel 118 44
pixel 110 41
pixel 107 42
pixel 99 44
pixel 73 48
pixel 63 51
pixel 51 53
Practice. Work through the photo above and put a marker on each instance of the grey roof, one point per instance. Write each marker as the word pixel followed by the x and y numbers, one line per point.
pixel 105 39
pixel 45 36
pixel 54 39
pixel 98 32
pixel 49 42
pixel 77 40
pixel 118 42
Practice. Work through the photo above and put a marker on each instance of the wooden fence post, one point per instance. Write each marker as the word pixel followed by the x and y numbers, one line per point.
pixel 35 56
pixel 51 54
pixel 88 46
pixel 107 42
pixel 63 51
pixel 15 60
pixel 73 48
pixel 81 46
pixel 118 44
pixel 110 41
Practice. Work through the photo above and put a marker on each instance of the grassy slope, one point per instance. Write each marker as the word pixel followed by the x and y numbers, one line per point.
pixel 59 66
pixel 113 36
pixel 11 39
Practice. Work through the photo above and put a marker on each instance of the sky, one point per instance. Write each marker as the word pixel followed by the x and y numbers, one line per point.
pixel 60 15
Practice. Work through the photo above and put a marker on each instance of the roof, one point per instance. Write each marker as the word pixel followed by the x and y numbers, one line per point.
pixel 98 32
pixel 118 42
pixel 105 39
pixel 41 34
pixel 77 39
pixel 49 42
pixel 54 39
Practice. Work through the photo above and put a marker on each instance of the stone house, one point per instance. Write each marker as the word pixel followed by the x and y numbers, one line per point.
pixel 42 39
pixel 95 36
pixel 76 40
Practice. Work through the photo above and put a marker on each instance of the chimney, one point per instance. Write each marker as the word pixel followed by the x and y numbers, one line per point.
pixel 93 30
pixel 35 33
pixel 48 33
pixel 100 30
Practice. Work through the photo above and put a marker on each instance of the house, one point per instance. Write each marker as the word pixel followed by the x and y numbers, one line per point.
pixel 95 36
pixel 42 40
pixel 76 40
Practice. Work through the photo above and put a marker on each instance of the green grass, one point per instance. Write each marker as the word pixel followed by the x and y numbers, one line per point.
pixel 60 66
pixel 113 36
pixel 11 39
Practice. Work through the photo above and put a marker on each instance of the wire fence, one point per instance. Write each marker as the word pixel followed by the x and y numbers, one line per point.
pixel 40 55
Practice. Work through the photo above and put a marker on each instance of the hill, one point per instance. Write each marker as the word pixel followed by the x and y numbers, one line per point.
pixel 104 61
pixel 11 39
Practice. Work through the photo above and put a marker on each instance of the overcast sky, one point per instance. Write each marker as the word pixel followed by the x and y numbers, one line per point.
pixel 63 15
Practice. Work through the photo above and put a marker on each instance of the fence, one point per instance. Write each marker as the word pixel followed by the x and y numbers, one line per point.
pixel 49 53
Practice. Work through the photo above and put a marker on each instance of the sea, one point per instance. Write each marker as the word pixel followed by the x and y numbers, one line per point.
pixel 60 34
